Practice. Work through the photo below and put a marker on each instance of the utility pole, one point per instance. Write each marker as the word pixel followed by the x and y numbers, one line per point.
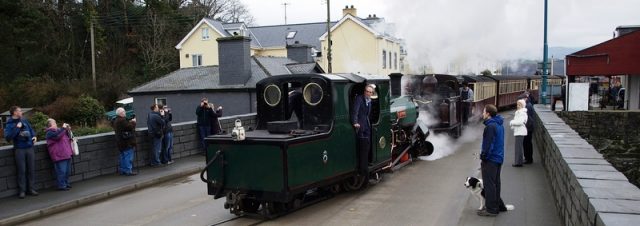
pixel 93 59
pixel 543 92
pixel 328 37
pixel 285 12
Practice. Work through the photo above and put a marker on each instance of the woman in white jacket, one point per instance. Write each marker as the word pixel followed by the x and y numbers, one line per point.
pixel 519 130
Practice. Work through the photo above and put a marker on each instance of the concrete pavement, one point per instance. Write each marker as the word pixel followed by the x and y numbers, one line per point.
pixel 424 193
pixel 525 187
pixel 14 210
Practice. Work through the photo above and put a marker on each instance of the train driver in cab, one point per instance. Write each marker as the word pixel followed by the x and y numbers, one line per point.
pixel 466 95
pixel 362 125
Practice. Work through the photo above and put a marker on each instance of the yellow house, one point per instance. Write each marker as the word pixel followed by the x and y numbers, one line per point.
pixel 359 47
pixel 199 46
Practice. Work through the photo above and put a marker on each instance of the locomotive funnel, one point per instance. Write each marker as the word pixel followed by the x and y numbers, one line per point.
pixel 395 80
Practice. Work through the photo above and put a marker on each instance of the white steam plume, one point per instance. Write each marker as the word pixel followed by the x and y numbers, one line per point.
pixel 466 36
pixel 443 144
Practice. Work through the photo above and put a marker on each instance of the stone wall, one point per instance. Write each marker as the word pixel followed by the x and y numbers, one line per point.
pixel 99 155
pixel 615 134
pixel 587 189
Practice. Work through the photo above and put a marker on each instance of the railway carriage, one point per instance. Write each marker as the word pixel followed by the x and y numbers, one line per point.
pixel 508 88
pixel 534 85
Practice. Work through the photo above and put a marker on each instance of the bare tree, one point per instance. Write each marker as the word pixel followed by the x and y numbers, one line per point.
pixel 236 12
pixel 228 11
pixel 156 48
pixel 208 8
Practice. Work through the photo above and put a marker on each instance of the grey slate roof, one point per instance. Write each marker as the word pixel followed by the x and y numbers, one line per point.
pixel 197 78
pixel 275 65
pixel 302 68
pixel 275 36
pixel 218 25
pixel 233 25
pixel 207 78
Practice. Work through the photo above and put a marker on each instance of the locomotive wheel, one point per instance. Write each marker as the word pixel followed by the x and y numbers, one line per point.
pixel 354 183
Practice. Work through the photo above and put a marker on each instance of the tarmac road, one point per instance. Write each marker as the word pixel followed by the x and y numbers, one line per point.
pixel 423 193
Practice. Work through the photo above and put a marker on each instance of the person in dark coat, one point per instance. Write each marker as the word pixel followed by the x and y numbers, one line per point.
pixel 205 115
pixel 215 121
pixel 466 95
pixel 492 157
pixel 19 132
pixel 167 139
pixel 360 121
pixel 563 94
pixel 155 126
pixel 125 133
pixel 527 143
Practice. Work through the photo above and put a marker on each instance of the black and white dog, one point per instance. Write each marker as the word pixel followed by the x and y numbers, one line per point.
pixel 476 187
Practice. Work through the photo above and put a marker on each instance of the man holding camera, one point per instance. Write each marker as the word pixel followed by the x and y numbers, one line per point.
pixel 206 116
pixel 155 126
pixel 19 131
pixel 126 141
pixel 167 139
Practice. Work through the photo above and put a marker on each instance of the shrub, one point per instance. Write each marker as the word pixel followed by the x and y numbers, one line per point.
pixel 87 111
pixel 62 109
pixel 39 122
pixel 82 131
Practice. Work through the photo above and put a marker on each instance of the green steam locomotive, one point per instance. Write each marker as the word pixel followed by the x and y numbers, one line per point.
pixel 304 145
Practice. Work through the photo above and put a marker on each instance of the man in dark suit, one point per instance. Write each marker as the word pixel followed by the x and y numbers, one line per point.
pixel 360 121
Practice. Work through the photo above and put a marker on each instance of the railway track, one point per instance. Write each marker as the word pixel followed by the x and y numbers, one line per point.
pixel 222 222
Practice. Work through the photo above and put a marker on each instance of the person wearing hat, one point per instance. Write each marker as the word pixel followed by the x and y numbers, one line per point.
pixel 466 95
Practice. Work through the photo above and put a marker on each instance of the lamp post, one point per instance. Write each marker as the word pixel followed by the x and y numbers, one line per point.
pixel 543 91
pixel 328 37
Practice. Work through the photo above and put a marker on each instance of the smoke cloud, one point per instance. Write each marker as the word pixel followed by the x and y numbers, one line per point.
pixel 467 36
pixel 443 144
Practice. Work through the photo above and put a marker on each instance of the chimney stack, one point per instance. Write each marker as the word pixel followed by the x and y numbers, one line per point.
pixel 350 10
pixel 299 52
pixel 234 55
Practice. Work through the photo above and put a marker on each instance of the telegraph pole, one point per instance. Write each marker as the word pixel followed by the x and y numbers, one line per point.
pixel 543 92
pixel 93 59
pixel 285 11
pixel 328 37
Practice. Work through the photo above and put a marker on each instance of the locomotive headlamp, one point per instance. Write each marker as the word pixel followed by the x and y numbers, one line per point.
pixel 238 131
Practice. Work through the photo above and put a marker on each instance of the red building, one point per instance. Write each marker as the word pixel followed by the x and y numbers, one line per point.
pixel 619 56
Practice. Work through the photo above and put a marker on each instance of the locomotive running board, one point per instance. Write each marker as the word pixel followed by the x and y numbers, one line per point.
pixel 393 166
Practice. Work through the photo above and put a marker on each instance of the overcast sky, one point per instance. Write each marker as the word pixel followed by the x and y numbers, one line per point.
pixel 446 31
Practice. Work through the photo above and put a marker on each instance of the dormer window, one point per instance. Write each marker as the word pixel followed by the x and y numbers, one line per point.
pixel 291 34
pixel 205 33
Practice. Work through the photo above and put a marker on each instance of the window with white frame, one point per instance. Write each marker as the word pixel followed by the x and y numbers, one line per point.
pixel 395 60
pixel 205 33
pixel 384 59
pixel 161 100
pixel 196 59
